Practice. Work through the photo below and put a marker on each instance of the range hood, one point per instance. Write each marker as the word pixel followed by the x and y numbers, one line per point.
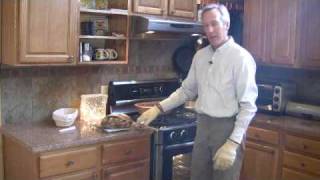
pixel 142 25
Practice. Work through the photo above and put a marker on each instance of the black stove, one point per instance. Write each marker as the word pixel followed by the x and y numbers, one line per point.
pixel 174 130
pixel 178 117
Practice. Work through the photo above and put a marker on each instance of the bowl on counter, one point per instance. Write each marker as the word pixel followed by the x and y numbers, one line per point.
pixel 65 117
pixel 144 106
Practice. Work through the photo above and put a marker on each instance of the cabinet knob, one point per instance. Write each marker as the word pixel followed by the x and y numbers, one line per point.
pixel 173 12
pixel 95 176
pixel 70 163
pixel 256 136
pixel 128 152
pixel 70 59
pixel 305 147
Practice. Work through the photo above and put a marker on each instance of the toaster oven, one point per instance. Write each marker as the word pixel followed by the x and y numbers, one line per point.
pixel 273 97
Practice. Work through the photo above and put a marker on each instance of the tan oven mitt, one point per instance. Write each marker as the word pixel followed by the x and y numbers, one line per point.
pixel 225 156
pixel 148 116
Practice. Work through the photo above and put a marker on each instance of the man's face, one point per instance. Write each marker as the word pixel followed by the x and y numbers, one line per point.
pixel 216 30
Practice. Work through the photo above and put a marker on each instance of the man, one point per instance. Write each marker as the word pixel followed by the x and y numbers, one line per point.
pixel 222 77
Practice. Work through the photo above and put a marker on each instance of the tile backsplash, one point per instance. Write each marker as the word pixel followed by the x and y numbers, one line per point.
pixel 31 94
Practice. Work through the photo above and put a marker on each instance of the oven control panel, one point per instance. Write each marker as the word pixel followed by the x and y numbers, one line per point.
pixel 127 91
pixel 179 135
pixel 138 92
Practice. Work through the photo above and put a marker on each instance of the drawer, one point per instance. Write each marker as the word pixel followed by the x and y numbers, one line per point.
pixel 136 170
pixel 264 135
pixel 301 162
pixel 288 174
pixel 55 163
pixel 137 149
pixel 82 175
pixel 302 144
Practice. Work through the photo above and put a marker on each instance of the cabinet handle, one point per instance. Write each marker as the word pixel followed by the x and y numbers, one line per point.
pixel 256 136
pixel 95 176
pixel 128 152
pixel 173 12
pixel 70 59
pixel 70 163
pixel 304 146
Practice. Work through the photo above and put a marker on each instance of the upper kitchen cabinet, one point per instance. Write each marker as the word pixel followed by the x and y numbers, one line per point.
pixel 37 32
pixel 283 32
pixel 104 32
pixel 255 28
pixel 282 27
pixel 309 29
pixel 166 8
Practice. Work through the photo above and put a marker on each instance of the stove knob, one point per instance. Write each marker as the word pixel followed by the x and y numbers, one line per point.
pixel 183 134
pixel 173 136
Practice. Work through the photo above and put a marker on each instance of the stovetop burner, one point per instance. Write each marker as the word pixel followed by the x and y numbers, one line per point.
pixel 176 117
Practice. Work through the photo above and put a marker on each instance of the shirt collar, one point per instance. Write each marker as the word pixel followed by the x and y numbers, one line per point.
pixel 224 46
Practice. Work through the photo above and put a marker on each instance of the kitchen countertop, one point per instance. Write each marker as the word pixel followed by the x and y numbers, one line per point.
pixel 289 124
pixel 45 136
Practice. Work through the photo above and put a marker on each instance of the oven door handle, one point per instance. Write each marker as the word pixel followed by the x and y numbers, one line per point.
pixel 179 146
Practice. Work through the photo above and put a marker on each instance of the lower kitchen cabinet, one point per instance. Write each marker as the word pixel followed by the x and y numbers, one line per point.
pixel 282 148
pixel 84 175
pixel 126 159
pixel 260 162
pixel 54 163
pixel 127 171
pixel 301 157
pixel 261 158
pixel 288 174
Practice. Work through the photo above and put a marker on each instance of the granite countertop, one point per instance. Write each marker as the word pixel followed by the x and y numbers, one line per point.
pixel 45 136
pixel 289 124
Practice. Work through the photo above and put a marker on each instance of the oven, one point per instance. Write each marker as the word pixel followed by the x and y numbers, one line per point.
pixel 174 132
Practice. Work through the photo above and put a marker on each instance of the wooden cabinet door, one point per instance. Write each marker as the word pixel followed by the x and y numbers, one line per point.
pixel 283 26
pixel 310 37
pixel 288 174
pixel 0 38
pixel 260 162
pixel 156 7
pixel 48 31
pixel 183 8
pixel 66 161
pixel 255 26
pixel 128 171
pixel 84 175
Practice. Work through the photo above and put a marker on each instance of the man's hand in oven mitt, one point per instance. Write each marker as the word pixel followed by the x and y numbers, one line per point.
pixel 225 156
pixel 148 116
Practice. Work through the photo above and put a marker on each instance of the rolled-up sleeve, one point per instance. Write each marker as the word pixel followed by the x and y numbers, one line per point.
pixel 247 93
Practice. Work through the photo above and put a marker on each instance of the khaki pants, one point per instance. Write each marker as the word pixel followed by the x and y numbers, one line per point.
pixel 212 133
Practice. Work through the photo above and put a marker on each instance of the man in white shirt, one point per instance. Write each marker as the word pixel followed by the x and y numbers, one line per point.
pixel 222 77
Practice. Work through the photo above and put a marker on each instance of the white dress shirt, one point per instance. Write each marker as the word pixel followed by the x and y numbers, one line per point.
pixel 223 80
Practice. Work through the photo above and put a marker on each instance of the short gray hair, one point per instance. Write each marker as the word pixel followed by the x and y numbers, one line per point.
pixel 225 16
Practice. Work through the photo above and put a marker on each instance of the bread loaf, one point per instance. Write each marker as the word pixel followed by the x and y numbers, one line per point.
pixel 116 121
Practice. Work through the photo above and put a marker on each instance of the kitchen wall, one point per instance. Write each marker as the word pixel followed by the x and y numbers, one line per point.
pixel 31 94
